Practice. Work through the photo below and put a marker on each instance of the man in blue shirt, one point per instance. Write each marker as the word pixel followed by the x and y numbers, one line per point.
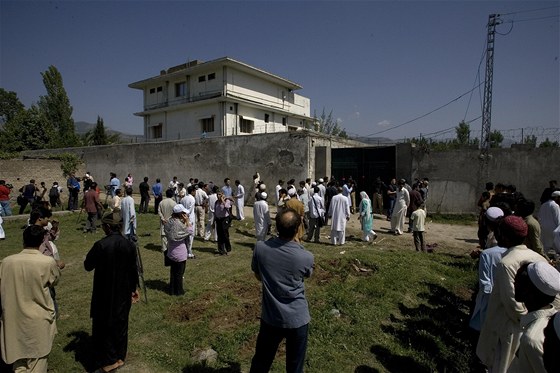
pixel 227 188
pixel 115 184
pixel 157 190
pixel 282 264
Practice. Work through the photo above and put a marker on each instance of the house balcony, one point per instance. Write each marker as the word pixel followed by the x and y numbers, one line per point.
pixel 183 100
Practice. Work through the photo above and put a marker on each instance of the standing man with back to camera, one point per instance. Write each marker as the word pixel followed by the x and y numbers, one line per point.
pixel 281 264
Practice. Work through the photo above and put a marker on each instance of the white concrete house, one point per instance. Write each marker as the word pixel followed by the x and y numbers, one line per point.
pixel 223 97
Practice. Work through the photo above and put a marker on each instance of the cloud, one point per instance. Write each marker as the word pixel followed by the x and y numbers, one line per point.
pixel 384 123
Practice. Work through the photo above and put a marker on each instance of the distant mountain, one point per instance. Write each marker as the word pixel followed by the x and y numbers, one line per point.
pixel 83 127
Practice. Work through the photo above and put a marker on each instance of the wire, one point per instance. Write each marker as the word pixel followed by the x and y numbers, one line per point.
pixel 530 10
pixel 530 19
pixel 425 115
pixel 477 78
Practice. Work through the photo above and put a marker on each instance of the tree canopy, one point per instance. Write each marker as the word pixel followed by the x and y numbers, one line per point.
pixel 57 110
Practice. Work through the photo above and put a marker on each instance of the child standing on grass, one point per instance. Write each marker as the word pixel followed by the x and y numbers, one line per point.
pixel 418 218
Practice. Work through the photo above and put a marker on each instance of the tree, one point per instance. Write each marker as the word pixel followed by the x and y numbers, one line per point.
pixel 496 139
pixel 463 131
pixel 98 135
pixel 10 105
pixel 326 124
pixel 28 130
pixel 532 139
pixel 549 144
pixel 57 110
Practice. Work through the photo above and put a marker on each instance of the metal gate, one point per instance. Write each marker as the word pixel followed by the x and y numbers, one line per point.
pixel 364 165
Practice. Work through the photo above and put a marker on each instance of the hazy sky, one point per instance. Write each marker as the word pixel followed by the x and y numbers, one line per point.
pixel 375 64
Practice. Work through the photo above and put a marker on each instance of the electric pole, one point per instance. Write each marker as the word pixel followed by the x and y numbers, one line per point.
pixel 493 20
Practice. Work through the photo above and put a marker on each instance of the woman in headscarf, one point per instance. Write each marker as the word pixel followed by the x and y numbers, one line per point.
pixel 177 230
pixel 366 218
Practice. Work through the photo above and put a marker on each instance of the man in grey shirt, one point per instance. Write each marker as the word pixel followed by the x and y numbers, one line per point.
pixel 282 264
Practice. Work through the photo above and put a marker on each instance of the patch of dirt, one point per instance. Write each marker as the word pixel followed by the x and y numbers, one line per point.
pixel 244 307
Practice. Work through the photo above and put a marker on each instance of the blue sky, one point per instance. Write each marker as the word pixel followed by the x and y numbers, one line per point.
pixel 375 64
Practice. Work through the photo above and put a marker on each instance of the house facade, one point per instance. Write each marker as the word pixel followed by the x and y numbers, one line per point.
pixel 222 97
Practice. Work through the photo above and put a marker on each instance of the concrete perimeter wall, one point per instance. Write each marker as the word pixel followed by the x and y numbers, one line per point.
pixel 455 183
pixel 275 156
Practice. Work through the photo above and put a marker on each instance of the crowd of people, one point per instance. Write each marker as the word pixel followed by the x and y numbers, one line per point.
pixel 515 312
pixel 515 316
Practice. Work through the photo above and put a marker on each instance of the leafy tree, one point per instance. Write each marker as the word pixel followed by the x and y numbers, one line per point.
pixel 28 130
pixel 328 125
pixel 57 110
pixel 496 139
pixel 10 105
pixel 532 139
pixel 549 144
pixel 463 131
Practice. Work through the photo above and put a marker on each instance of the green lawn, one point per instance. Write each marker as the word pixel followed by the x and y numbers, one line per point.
pixel 400 311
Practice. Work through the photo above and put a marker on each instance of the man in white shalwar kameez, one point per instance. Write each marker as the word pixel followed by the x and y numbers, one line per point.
pixel 261 215
pixel 399 211
pixel 239 200
pixel 211 224
pixel 189 202
pixel 549 220
pixel 339 212
pixel 128 214
pixel 500 333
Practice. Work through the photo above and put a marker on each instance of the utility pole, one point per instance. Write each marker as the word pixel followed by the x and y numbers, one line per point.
pixel 493 20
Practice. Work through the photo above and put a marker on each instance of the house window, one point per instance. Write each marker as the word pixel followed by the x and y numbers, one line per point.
pixel 180 89
pixel 212 76
pixel 202 78
pixel 157 131
pixel 160 88
pixel 284 121
pixel 207 124
pixel 152 91
pixel 246 126
pixel 266 118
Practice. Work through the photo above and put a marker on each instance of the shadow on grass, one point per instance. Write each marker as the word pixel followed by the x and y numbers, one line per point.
pixel 81 345
pixel 467 240
pixel 244 233
pixel 365 369
pixel 157 285
pixel 202 368
pixel 152 247
pixel 250 245
pixel 436 334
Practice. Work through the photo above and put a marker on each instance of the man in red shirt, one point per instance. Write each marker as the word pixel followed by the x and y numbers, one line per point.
pixel 91 204
pixel 5 209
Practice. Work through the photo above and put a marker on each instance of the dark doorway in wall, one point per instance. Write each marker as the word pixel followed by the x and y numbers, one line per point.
pixel 364 165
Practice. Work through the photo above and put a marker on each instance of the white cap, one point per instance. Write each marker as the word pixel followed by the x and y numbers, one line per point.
pixel 556 193
pixel 264 195
pixel 545 277
pixel 262 187
pixel 321 180
pixel 178 208
pixel 494 213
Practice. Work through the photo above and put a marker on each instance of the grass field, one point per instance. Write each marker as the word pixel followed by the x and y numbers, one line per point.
pixel 399 311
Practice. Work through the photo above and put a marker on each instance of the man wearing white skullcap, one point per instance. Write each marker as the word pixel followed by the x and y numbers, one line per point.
pixel 489 259
pixel 261 215
pixel 501 331
pixel 295 204
pixel 536 285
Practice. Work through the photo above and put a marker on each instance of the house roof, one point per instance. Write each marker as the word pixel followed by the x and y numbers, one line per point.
pixel 198 66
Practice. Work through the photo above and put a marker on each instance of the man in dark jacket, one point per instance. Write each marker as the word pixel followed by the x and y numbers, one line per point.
pixel 115 288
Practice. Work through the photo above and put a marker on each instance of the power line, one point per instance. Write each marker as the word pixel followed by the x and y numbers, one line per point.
pixel 530 10
pixel 530 19
pixel 425 115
